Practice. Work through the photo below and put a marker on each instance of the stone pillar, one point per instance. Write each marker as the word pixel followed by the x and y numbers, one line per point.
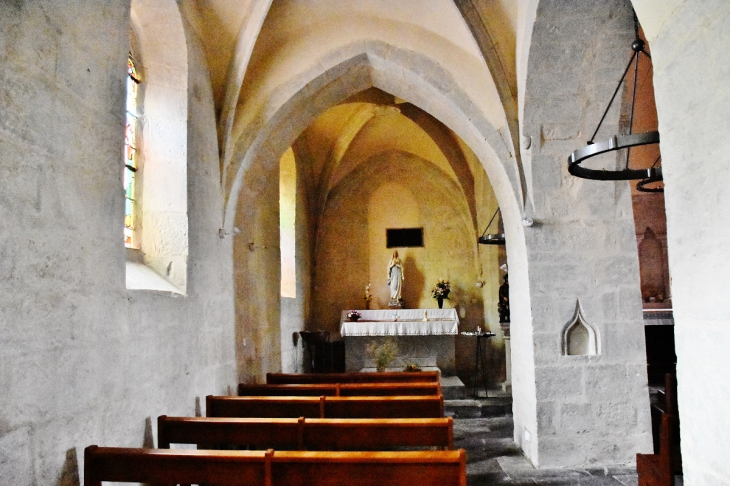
pixel 592 400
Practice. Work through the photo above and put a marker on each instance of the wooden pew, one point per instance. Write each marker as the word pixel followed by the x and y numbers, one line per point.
pixel 305 434
pixel 658 469
pixel 326 407
pixel 270 468
pixel 388 377
pixel 341 389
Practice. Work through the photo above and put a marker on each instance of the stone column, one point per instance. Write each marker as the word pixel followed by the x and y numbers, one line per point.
pixel 592 408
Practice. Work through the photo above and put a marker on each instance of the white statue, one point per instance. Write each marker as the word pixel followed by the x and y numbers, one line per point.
pixel 395 280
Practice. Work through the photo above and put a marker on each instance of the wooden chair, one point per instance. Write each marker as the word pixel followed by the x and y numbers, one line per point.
pixel 270 468
pixel 316 342
pixel 305 434
pixel 326 407
pixel 388 377
pixel 342 389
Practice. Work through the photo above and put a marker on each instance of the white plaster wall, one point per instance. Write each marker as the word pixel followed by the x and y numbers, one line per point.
pixel 82 359
pixel 689 45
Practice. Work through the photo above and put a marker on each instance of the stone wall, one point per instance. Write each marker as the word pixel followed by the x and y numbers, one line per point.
pixel 83 360
pixel 257 276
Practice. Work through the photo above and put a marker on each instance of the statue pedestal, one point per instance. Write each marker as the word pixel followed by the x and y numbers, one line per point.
pixel 395 304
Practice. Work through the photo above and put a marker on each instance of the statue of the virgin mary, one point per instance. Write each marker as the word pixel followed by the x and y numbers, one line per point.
pixel 395 281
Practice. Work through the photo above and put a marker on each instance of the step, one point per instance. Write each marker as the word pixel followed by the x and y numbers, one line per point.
pixel 452 388
pixel 462 408
pixel 496 406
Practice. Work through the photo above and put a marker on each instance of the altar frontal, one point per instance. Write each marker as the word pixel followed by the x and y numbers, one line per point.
pixel 423 338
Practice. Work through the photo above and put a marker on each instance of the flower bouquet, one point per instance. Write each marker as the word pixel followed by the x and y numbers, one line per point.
pixel 441 291
pixel 353 315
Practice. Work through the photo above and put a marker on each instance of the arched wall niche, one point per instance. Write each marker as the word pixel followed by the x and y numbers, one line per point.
pixel 579 338
pixel 162 174
pixel 351 70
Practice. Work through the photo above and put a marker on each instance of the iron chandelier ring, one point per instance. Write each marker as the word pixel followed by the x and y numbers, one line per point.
pixel 643 186
pixel 614 143
pixel 492 239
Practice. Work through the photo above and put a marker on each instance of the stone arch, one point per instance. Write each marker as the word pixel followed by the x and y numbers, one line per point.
pixel 424 83
pixel 408 75
pixel 395 71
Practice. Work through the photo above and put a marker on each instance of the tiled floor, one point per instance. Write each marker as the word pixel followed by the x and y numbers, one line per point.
pixel 494 458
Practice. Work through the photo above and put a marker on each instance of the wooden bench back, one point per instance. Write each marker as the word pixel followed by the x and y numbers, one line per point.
pixel 326 407
pixel 388 377
pixel 658 469
pixel 305 434
pixel 270 468
pixel 342 389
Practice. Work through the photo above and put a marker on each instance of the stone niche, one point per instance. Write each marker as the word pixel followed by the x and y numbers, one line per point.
pixel 579 338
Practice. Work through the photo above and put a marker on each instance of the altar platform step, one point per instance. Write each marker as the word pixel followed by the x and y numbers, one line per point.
pixel 497 406
pixel 453 388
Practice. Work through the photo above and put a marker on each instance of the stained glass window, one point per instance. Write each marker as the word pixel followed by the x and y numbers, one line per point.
pixel 130 153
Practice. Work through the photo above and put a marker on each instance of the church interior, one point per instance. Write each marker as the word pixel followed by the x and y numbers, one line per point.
pixel 190 188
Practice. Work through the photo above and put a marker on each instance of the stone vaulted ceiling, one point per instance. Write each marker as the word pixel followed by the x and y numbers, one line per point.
pixel 242 37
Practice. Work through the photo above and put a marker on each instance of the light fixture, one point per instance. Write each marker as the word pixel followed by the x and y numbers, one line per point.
pixel 491 238
pixel 651 184
pixel 617 142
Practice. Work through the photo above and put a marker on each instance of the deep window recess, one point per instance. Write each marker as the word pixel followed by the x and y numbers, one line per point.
pixel 404 237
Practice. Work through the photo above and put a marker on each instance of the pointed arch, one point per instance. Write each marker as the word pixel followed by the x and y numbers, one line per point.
pixel 425 83
pixel 352 70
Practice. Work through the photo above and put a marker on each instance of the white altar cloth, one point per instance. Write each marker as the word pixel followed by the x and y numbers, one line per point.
pixel 409 323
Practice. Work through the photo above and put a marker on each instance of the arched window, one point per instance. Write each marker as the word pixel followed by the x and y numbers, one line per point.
pixel 130 154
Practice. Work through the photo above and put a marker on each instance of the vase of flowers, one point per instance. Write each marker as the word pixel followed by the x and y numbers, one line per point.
pixel 353 315
pixel 441 291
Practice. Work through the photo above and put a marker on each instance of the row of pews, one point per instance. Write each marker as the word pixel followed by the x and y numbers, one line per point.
pixel 316 429
pixel 660 468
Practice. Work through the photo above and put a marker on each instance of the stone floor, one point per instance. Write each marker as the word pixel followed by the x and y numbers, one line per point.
pixel 493 458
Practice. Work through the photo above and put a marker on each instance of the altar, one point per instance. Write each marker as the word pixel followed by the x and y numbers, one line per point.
pixel 424 337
